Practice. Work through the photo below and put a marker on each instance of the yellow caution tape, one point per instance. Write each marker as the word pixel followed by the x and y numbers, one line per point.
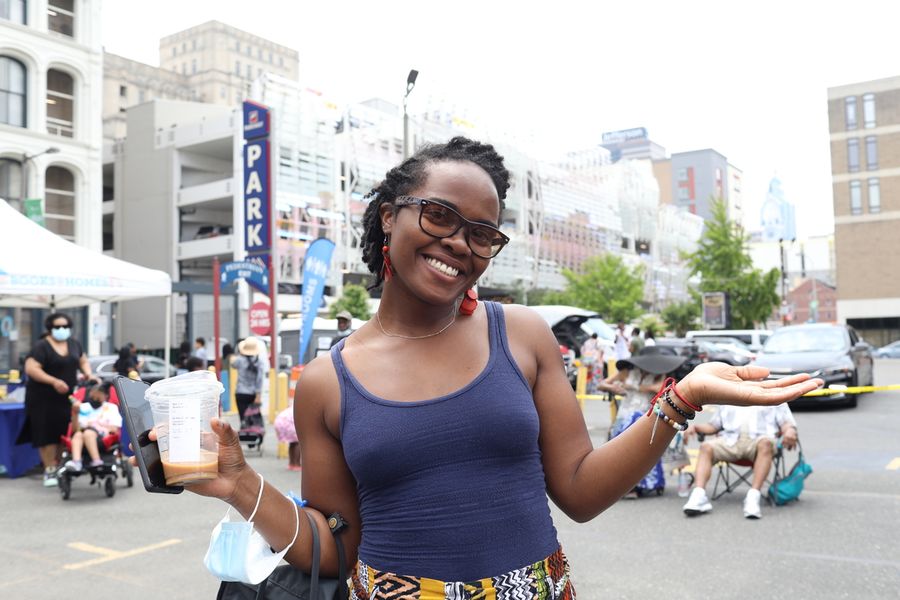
pixel 858 389
pixel 830 391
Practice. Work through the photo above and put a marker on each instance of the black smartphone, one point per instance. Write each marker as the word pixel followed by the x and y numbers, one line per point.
pixel 139 420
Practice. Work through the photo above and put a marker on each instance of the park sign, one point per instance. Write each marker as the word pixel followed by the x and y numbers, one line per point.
pixel 257 180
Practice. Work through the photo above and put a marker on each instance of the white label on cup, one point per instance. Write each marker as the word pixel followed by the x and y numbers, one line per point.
pixel 184 430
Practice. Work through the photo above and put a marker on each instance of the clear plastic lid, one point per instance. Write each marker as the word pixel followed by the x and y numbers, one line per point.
pixel 195 383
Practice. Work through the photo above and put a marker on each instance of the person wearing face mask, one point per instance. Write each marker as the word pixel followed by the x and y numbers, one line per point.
pixel 97 418
pixel 52 368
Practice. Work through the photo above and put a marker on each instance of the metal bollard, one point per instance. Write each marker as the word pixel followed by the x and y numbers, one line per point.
pixel 282 403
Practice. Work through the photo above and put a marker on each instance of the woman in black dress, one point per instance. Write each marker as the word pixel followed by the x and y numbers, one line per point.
pixel 52 368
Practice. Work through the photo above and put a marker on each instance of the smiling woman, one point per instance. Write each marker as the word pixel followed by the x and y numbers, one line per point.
pixel 439 429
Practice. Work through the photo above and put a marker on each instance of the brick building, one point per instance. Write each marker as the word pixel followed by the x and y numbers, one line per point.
pixel 864 127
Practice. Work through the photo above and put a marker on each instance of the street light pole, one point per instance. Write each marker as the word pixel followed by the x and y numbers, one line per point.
pixel 23 193
pixel 410 84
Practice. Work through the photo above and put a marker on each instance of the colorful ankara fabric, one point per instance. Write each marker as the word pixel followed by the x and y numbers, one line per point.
pixel 544 580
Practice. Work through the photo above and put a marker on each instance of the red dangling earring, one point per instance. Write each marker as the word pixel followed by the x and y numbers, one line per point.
pixel 469 302
pixel 386 271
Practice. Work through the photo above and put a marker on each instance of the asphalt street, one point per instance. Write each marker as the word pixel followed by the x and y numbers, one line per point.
pixel 841 540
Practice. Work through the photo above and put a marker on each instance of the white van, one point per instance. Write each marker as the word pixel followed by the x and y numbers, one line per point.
pixel 754 338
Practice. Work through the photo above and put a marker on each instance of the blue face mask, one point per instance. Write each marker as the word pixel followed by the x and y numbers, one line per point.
pixel 61 334
pixel 237 552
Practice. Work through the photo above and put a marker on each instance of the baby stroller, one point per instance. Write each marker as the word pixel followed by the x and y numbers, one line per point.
pixel 115 463
pixel 253 429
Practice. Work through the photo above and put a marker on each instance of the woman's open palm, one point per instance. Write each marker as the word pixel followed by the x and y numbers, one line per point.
pixel 719 383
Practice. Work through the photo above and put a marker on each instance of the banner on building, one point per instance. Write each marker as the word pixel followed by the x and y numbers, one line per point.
pixel 315 272
pixel 716 313
pixel 34 210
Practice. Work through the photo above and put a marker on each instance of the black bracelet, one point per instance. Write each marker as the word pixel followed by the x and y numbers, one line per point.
pixel 680 411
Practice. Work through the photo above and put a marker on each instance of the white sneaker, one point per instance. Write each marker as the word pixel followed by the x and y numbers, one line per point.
pixel 698 503
pixel 751 504
pixel 50 479
pixel 73 465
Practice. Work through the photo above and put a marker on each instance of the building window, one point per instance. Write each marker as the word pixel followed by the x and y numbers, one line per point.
pixel 174 51
pixel 871 153
pixel 12 92
pixel 249 51
pixel 683 193
pixel 869 111
pixel 193 65
pixel 270 57
pixel 237 68
pixel 237 45
pixel 59 202
pixel 222 92
pixel 123 92
pixel 61 17
pixel 183 47
pixel 855 198
pixel 13 10
pixel 60 103
pixel 280 61
pixel 682 174
pixel 874 195
pixel 850 111
pixel 853 155
pixel 249 71
pixel 184 68
pixel 194 44
pixel 11 182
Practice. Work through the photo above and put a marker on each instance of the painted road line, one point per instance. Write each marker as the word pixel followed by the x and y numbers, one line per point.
pixel 108 554
pixel 894 465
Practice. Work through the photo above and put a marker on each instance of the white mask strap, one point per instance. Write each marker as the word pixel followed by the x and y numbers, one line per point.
pixel 258 497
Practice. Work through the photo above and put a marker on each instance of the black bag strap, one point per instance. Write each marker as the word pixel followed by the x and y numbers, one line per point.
pixel 337 524
pixel 314 567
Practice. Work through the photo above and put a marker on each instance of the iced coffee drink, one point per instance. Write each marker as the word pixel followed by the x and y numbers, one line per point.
pixel 182 409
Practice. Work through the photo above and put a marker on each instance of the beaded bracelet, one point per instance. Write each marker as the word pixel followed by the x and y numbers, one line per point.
pixel 670 421
pixel 687 415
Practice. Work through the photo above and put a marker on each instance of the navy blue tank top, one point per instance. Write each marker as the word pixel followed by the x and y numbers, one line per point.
pixel 450 488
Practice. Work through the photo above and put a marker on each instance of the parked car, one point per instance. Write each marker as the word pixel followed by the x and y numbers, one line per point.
pixel 725 353
pixel 834 353
pixel 754 338
pixel 152 370
pixel 892 350
pixel 572 326
pixel 694 351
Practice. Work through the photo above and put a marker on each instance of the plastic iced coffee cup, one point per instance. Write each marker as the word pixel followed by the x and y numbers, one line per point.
pixel 182 407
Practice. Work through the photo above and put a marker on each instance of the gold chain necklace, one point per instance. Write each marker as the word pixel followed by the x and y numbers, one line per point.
pixel 414 337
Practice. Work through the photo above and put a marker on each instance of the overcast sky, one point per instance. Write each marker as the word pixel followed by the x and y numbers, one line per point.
pixel 748 79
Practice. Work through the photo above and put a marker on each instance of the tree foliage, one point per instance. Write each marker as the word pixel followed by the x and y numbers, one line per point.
pixel 681 317
pixel 354 300
pixel 724 265
pixel 607 286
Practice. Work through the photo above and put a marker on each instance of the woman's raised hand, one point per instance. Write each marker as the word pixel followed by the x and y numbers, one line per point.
pixel 231 464
pixel 719 383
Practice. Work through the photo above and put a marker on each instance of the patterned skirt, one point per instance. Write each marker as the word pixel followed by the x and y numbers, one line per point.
pixel 547 579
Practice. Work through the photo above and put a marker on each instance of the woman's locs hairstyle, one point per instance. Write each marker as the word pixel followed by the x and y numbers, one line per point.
pixel 412 172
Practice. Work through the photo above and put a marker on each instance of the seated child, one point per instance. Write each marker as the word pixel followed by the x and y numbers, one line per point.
pixel 97 418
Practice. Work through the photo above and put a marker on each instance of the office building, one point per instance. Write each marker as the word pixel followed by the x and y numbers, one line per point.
pixel 864 127
pixel 212 62
pixel 631 144
pixel 50 137
pixel 699 178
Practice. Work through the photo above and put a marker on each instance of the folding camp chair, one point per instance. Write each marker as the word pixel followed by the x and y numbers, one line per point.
pixel 731 475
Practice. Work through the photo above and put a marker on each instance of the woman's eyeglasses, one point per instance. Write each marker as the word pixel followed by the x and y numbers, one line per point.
pixel 440 221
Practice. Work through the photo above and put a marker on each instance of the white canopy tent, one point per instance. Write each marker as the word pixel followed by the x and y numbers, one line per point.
pixel 39 269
